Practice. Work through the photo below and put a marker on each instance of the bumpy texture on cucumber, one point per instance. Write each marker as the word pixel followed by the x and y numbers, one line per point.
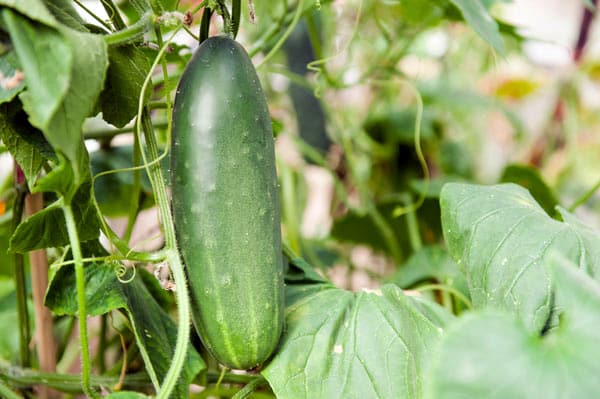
pixel 226 204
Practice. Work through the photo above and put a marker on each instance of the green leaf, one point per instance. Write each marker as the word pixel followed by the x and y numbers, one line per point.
pixel 126 73
pixel 476 15
pixel 340 344
pixel 500 238
pixel 154 330
pixel 492 355
pixel 531 179
pixel 103 291
pixel 66 14
pixel 64 72
pixel 59 180
pixel 47 228
pixel 17 134
pixel 32 9
pixel 11 78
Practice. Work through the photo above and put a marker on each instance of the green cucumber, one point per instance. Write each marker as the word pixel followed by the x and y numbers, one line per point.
pixel 226 204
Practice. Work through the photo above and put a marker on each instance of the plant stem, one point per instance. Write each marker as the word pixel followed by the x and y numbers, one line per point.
pixel 172 255
pixel 205 24
pixel 448 289
pixel 285 35
pixel 81 305
pixel 173 259
pixel 585 197
pixel 8 393
pixel 113 13
pixel 133 32
pixel 246 391
pixel 413 227
pixel 20 283
pixel 289 207
pixel 109 133
pixel 25 378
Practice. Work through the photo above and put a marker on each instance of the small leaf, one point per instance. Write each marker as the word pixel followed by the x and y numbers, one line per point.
pixel 126 73
pixel 477 16
pixel 14 133
pixel 500 237
pixel 339 344
pixel 47 228
pixel 492 355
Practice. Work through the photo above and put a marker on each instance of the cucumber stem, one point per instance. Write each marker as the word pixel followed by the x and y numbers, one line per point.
pixel 171 252
pixel 81 305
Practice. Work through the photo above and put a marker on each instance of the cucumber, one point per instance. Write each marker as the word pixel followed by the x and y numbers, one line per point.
pixel 226 205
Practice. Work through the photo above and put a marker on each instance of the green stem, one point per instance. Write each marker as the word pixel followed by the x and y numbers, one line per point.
pixel 91 14
pixel 101 134
pixel 132 33
pixel 205 24
pixel 172 255
pixel 136 189
pixel 286 34
pixel 413 227
pixel 71 383
pixel 289 207
pixel 21 285
pixel 236 11
pixel 447 289
pixel 246 391
pixel 8 393
pixel 81 305
pixel 213 377
pixel 113 13
pixel 585 197
pixel 386 231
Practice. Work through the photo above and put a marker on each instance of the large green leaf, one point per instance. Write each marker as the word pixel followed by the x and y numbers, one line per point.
pixel 476 15
pixel 339 344
pixel 491 355
pixel 154 330
pixel 64 73
pixel 500 237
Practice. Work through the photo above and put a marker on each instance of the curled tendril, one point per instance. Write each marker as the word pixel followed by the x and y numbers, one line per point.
pixel 121 271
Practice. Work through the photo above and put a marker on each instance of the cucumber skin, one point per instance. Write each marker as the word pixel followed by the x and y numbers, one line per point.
pixel 226 205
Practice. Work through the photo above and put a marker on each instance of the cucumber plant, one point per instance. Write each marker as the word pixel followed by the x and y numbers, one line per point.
pixel 481 276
